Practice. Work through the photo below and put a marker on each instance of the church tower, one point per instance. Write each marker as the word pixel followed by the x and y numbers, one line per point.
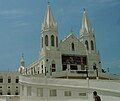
pixel 87 37
pixel 49 54
pixel 87 34
pixel 49 31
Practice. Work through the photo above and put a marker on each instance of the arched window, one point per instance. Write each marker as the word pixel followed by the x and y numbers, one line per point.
pixel 17 80
pixel 92 45
pixel 8 93
pixel 42 42
pixel 52 40
pixel 16 93
pixel 42 67
pixel 46 40
pixel 1 79
pixel 1 92
pixel 94 66
pixel 53 66
pixel 73 47
pixel 86 43
pixel 9 79
pixel 56 41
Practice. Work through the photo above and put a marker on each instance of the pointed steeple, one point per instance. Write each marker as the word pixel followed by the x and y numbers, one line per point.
pixel 22 62
pixel 86 26
pixel 49 21
pixel 87 36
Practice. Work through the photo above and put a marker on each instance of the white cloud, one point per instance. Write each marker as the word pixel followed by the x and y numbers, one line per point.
pixel 23 24
pixel 15 16
pixel 12 14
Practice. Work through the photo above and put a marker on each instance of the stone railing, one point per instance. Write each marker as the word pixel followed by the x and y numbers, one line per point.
pixel 108 85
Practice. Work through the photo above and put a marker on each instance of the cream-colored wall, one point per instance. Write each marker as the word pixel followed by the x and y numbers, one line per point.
pixel 103 87
pixel 12 85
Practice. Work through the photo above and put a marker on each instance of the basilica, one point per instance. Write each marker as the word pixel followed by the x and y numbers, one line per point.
pixel 77 55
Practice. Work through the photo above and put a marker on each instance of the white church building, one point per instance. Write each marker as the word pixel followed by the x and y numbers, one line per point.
pixel 74 54
pixel 69 70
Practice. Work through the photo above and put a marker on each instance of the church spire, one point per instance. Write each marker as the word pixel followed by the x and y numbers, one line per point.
pixel 49 30
pixel 49 21
pixel 87 36
pixel 22 62
pixel 86 26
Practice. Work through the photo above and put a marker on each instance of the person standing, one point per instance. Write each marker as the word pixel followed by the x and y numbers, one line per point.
pixel 96 97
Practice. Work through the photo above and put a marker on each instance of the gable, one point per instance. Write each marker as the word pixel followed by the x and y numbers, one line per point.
pixel 66 46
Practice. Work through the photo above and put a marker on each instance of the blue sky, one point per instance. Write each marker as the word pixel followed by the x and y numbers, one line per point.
pixel 20 23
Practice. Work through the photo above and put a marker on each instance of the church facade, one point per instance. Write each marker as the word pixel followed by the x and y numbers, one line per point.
pixel 73 54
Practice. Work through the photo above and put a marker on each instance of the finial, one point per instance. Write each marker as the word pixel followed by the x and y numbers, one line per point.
pixel 48 1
